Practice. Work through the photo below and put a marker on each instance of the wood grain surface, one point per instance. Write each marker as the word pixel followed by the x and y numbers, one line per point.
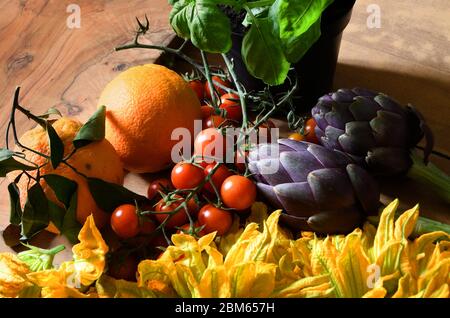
pixel 408 58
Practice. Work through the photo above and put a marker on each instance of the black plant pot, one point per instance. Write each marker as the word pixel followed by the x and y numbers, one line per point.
pixel 315 71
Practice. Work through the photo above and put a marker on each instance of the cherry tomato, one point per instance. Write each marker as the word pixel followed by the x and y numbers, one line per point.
pixel 213 121
pixel 217 178
pixel 125 221
pixel 186 175
pixel 211 143
pixel 215 219
pixel 219 90
pixel 297 137
pixel 238 192
pixel 158 185
pixel 177 219
pixel 230 103
pixel 310 132
pixel 193 207
pixel 206 111
pixel 124 269
pixel 147 226
pixel 198 87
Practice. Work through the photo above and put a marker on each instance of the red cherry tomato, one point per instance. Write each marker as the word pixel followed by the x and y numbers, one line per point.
pixel 124 269
pixel 193 207
pixel 213 121
pixel 215 219
pixel 230 103
pixel 238 192
pixel 220 91
pixel 147 226
pixel 310 132
pixel 158 185
pixel 198 88
pixel 217 178
pixel 125 221
pixel 211 143
pixel 186 175
pixel 206 111
pixel 177 219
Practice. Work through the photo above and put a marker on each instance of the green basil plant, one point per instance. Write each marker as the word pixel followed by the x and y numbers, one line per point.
pixel 279 32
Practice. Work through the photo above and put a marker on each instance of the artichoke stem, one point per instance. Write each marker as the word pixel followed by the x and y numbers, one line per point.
pixel 432 176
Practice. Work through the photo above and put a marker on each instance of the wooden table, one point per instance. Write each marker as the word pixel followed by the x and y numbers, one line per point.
pixel 57 66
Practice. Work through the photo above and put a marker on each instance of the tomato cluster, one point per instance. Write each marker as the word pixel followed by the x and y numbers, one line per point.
pixel 307 133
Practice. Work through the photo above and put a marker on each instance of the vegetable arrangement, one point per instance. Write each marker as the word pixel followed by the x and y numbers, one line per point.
pixel 279 32
pixel 272 262
pixel 199 231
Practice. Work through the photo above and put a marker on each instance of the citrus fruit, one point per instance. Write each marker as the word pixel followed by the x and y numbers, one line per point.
pixel 144 105
pixel 98 160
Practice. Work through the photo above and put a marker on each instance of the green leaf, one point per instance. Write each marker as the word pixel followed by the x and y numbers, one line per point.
pixel 8 163
pixel 71 227
pixel 35 216
pixel 63 187
pixel 56 146
pixel 92 130
pixel 15 214
pixel 297 23
pixel 180 16
pixel 262 53
pixel 109 196
pixel 56 214
pixel 49 112
pixel 210 27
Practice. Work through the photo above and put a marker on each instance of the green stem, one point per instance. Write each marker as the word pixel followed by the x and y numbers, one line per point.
pixel 239 89
pixel 209 79
pixel 431 176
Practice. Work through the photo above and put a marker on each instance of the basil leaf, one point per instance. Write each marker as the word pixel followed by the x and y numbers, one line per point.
pixel 291 19
pixel 262 53
pixel 300 46
pixel 109 196
pixel 35 216
pixel 63 187
pixel 210 27
pixel 180 16
pixel 71 227
pixel 56 146
pixel 15 214
pixel 8 163
pixel 92 130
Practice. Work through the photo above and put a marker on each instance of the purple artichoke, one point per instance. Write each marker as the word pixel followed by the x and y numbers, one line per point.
pixel 319 189
pixel 371 127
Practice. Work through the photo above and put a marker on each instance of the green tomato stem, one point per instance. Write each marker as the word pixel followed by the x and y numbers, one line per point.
pixel 431 176
pixel 209 79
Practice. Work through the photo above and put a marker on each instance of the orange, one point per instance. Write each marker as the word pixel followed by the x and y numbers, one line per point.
pixel 98 159
pixel 144 105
